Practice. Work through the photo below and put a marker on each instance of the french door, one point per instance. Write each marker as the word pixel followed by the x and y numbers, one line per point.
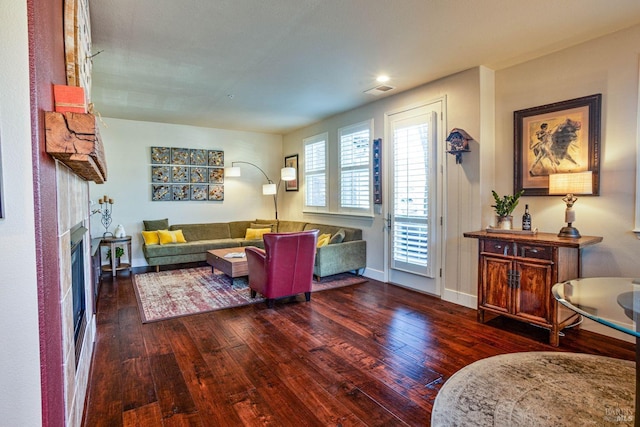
pixel 415 197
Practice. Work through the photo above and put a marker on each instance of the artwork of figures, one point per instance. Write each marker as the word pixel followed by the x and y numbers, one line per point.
pixel 556 147
pixel 557 138
pixel 189 174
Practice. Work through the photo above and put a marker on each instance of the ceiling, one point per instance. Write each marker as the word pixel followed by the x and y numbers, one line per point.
pixel 277 65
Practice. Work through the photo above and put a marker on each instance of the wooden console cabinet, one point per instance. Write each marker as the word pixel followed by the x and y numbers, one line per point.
pixel 516 273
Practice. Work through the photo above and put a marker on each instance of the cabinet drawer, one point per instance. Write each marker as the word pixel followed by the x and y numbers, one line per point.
pixel 537 252
pixel 497 247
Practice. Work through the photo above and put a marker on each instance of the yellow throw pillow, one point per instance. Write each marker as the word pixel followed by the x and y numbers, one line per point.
pixel 150 237
pixel 256 233
pixel 323 240
pixel 167 236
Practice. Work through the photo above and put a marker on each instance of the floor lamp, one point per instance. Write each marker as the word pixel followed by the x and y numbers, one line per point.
pixel 268 189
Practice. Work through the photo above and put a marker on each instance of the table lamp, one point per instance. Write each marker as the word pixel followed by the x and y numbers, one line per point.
pixel 570 184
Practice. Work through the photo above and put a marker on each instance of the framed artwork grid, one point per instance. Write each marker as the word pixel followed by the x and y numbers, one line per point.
pixel 187 174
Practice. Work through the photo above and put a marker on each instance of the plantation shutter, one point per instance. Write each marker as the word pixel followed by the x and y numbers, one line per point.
pixel 355 183
pixel 315 172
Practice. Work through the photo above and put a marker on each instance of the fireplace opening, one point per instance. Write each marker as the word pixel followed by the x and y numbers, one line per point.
pixel 78 287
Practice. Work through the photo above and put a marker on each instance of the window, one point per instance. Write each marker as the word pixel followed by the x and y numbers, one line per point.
pixel 355 166
pixel 315 172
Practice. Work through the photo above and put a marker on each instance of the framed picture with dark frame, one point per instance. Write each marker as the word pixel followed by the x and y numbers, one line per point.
pixel 292 162
pixel 563 137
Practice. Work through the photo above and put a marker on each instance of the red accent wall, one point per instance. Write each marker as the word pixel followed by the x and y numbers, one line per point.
pixel 47 67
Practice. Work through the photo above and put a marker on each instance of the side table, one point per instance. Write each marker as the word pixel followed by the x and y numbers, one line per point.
pixel 112 243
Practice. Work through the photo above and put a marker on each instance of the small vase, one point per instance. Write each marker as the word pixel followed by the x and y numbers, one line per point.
pixel 119 231
pixel 504 222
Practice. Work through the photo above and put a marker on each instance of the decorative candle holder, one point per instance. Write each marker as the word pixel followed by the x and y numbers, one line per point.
pixel 106 206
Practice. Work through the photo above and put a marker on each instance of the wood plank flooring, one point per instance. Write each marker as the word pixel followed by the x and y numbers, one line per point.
pixel 365 355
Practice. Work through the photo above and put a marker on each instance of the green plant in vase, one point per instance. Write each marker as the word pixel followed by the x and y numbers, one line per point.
pixel 504 207
pixel 119 253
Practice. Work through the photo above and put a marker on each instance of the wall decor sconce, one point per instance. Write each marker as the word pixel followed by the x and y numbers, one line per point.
pixel 268 189
pixel 458 143
pixel 570 184
pixel 106 206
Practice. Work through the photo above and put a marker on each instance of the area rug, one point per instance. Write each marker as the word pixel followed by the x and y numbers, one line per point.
pixel 175 293
pixel 539 389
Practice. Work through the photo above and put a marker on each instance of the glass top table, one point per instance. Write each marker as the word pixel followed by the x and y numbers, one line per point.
pixel 611 301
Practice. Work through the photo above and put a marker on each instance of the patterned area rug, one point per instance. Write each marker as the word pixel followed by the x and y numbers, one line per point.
pixel 539 389
pixel 176 293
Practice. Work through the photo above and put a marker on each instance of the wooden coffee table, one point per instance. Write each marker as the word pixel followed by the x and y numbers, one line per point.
pixel 232 267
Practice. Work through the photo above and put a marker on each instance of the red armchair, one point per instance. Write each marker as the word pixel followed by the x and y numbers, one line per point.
pixel 285 267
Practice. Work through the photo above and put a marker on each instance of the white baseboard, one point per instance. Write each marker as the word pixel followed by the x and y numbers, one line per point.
pixel 598 328
pixel 374 274
pixel 460 298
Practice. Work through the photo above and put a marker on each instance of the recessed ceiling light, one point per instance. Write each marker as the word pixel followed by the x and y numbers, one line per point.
pixel 382 78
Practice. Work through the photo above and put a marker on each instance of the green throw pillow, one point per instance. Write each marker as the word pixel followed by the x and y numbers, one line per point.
pixel 263 225
pixel 156 224
pixel 338 237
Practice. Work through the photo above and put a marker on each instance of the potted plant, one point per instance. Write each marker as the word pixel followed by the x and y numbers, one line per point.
pixel 119 253
pixel 504 206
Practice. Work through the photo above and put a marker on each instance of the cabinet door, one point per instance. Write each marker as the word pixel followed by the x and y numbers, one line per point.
pixel 496 293
pixel 532 299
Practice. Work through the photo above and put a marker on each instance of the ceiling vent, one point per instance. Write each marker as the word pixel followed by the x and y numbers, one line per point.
pixel 379 90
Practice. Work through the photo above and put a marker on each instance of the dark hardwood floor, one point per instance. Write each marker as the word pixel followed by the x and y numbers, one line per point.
pixel 371 354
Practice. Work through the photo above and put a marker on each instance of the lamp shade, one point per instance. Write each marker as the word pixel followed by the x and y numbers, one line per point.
pixel 571 183
pixel 268 189
pixel 288 174
pixel 232 171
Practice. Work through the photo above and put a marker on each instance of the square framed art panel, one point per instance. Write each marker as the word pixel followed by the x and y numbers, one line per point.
pixel 563 137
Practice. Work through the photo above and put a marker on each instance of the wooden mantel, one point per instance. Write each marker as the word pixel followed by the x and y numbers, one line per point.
pixel 73 138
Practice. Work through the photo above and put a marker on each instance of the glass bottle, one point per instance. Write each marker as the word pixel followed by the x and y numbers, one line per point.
pixel 526 219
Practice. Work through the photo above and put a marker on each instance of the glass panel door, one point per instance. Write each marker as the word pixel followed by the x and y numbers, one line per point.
pixel 414 198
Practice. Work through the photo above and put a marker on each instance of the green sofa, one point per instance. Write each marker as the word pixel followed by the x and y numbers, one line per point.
pixel 350 254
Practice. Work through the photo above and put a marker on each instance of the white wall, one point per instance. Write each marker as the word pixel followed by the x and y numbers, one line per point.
pixel 609 66
pixel 20 396
pixel 128 145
